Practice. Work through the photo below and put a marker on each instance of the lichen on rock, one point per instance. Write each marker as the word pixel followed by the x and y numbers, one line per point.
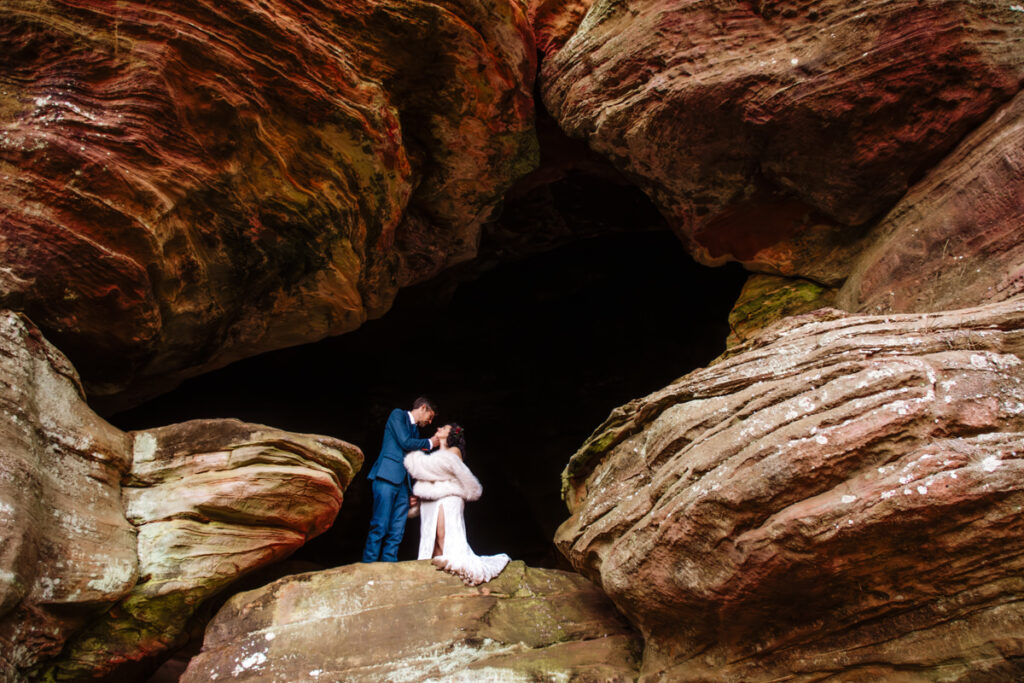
pixel 407 621
pixel 213 500
pixel 111 541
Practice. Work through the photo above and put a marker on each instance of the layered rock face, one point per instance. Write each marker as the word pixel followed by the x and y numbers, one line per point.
pixel 66 549
pixel 186 183
pixel 212 501
pixel 410 622
pixel 842 498
pixel 768 131
pixel 956 238
pixel 554 21
pixel 111 540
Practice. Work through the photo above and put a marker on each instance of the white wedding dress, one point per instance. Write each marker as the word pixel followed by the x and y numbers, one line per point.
pixel 443 482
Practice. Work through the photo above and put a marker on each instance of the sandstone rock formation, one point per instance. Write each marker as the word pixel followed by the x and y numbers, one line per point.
pixel 841 498
pixel 112 541
pixel 955 240
pixel 212 501
pixel 66 550
pixel 186 183
pixel 768 131
pixel 410 622
pixel 554 21
pixel 766 299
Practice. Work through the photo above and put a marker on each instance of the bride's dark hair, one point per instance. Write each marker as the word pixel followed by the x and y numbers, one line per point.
pixel 457 438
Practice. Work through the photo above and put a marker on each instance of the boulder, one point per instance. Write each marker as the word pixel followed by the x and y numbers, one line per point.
pixel 185 183
pixel 213 500
pixel 841 498
pixel 409 621
pixel 769 133
pixel 67 552
pixel 112 542
pixel 955 240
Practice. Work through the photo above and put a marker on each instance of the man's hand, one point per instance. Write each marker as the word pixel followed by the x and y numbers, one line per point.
pixel 413 501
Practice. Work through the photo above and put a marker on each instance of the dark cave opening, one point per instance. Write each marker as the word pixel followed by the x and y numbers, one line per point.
pixel 529 357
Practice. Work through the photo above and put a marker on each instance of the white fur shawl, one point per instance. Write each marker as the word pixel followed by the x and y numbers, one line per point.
pixel 440 474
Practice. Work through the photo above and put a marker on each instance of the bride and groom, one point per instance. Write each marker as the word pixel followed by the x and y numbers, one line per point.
pixel 443 485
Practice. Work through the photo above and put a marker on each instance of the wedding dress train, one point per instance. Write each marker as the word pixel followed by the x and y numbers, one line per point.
pixel 456 555
pixel 443 482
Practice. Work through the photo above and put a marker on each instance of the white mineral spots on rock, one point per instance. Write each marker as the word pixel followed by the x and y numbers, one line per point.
pixel 253 661
pixel 117 579
pixel 889 431
pixel 444 662
pixel 144 448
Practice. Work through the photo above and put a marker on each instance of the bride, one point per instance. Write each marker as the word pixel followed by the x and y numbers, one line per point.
pixel 443 485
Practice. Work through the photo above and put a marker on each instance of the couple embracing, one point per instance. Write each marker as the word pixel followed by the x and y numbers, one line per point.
pixel 443 485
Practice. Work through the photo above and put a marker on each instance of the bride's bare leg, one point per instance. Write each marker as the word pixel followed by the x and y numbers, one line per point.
pixel 439 532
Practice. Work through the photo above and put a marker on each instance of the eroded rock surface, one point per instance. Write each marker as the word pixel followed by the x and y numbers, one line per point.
pixel 766 130
pixel 408 621
pixel 185 183
pixel 766 299
pixel 955 240
pixel 554 21
pixel 212 500
pixel 840 498
pixel 66 550
pixel 111 541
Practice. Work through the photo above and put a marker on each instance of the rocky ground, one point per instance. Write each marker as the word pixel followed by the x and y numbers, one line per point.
pixel 185 184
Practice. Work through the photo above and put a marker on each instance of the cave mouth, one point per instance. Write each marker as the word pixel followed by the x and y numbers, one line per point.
pixel 529 357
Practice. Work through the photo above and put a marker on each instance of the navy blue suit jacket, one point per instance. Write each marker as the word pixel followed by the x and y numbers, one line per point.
pixel 400 437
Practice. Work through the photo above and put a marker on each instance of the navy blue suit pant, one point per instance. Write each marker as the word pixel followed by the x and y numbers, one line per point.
pixel 390 510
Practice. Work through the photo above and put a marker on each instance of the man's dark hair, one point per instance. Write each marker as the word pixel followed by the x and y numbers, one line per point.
pixel 424 401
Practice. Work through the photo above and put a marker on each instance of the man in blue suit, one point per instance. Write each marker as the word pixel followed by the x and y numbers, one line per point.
pixel 390 482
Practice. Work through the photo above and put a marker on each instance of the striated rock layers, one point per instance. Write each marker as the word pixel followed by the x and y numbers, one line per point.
pixel 841 498
pixel 187 182
pixel 112 541
pixel 955 239
pixel 67 551
pixel 410 622
pixel 767 132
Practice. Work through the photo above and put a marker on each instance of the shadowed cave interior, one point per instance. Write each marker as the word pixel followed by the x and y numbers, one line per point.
pixel 529 356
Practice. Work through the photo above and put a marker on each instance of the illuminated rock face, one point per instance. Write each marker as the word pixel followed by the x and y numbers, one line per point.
pixel 112 541
pixel 66 549
pixel 187 183
pixel 768 132
pixel 408 621
pixel 841 497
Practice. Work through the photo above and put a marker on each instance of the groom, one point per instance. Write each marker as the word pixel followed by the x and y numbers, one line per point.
pixel 390 482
